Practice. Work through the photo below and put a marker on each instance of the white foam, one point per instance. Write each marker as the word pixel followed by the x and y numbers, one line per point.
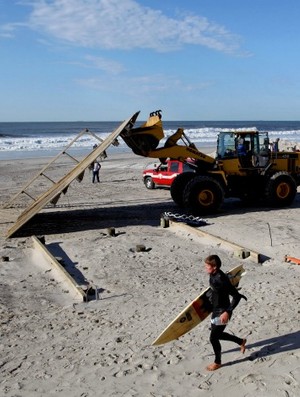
pixel 206 136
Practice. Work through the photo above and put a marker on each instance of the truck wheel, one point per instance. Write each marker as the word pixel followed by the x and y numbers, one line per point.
pixel 203 195
pixel 178 186
pixel 149 182
pixel 280 189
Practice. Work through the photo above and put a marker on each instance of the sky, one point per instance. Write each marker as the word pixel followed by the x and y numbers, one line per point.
pixel 103 60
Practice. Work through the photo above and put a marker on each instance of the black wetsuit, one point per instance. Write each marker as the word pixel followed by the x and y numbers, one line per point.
pixel 221 289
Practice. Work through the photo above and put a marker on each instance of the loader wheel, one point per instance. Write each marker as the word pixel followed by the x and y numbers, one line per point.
pixel 178 186
pixel 203 195
pixel 280 190
pixel 149 182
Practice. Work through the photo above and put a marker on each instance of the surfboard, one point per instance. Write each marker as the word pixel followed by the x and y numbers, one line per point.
pixel 195 312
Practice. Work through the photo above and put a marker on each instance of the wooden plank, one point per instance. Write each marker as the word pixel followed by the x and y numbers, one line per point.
pixel 76 172
pixel 257 257
pixel 56 265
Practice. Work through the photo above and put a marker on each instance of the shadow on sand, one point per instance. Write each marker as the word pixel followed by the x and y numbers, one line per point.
pixel 268 347
pixel 66 220
pixel 93 292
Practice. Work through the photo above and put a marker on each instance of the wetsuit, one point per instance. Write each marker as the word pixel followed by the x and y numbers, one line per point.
pixel 221 289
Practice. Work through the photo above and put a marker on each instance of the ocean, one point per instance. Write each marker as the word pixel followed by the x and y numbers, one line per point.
pixel 42 139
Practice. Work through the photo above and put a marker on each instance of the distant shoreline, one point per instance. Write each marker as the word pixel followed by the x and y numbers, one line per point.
pixel 33 154
pixel 77 152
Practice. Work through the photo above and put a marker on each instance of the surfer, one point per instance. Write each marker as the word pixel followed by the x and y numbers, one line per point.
pixel 222 308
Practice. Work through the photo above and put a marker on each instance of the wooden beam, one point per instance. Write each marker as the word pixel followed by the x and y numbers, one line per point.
pixel 37 244
pixel 71 157
pixel 47 177
pixel 257 257
pixel 28 195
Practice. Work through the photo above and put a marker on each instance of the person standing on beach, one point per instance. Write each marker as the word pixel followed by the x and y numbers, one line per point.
pixel 276 145
pixel 96 170
pixel 222 308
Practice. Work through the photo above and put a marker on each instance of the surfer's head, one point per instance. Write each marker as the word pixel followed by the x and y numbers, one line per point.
pixel 212 263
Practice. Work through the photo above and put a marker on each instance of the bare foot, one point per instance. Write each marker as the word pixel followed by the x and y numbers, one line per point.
pixel 243 346
pixel 213 367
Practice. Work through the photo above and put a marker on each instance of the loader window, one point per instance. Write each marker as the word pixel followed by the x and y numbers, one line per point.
pixel 262 157
pixel 263 144
pixel 226 145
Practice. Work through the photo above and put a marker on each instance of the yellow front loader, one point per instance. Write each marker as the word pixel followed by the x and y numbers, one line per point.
pixel 243 167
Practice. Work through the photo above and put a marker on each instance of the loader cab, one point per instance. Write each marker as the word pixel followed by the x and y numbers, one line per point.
pixel 249 148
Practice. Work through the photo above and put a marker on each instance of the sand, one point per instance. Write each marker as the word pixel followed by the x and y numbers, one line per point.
pixel 53 344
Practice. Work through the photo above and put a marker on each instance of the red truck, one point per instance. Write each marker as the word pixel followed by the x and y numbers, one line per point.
pixel 164 174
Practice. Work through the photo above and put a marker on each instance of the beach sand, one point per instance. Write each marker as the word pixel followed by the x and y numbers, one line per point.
pixel 53 344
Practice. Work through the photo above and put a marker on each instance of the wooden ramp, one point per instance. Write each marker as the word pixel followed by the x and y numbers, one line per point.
pixel 52 195
pixel 255 256
pixel 42 172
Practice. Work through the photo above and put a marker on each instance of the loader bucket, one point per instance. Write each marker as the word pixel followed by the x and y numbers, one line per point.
pixel 144 139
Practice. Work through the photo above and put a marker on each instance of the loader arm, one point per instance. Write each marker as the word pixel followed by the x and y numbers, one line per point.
pixel 144 141
pixel 182 153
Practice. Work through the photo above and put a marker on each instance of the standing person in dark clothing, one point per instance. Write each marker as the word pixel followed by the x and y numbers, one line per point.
pixel 222 307
pixel 96 169
pixel 276 146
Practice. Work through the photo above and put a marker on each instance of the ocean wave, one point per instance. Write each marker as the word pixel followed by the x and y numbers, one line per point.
pixel 46 143
pixel 200 136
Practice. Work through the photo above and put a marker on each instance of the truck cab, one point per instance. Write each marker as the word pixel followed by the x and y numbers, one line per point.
pixel 163 175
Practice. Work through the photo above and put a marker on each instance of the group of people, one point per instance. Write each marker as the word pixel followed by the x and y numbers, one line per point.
pixel 243 146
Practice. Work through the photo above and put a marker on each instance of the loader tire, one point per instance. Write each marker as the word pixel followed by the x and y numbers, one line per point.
pixel 203 195
pixel 179 185
pixel 280 190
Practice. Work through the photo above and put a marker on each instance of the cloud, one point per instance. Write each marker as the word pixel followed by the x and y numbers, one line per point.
pixel 126 25
pixel 107 65
pixel 142 85
pixel 7 31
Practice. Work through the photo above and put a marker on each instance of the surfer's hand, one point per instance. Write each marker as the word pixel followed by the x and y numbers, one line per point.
pixel 224 317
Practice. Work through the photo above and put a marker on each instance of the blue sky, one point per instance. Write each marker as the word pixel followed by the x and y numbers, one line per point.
pixel 101 60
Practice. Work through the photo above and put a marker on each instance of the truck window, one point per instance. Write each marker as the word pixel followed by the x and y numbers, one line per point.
pixel 174 167
pixel 187 168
